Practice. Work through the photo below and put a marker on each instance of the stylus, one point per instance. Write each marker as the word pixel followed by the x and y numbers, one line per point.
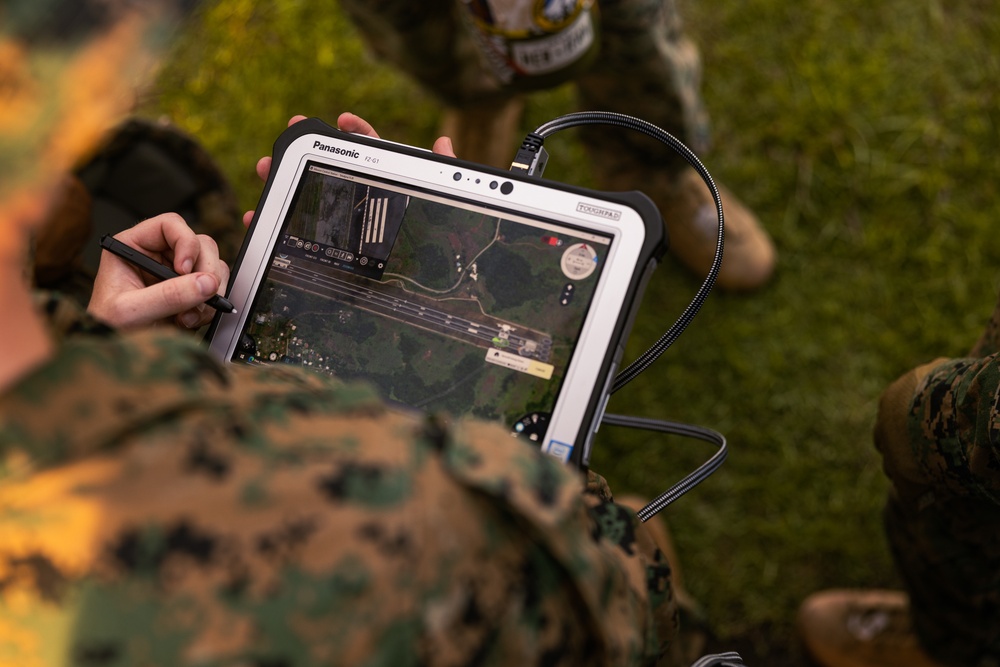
pixel 151 266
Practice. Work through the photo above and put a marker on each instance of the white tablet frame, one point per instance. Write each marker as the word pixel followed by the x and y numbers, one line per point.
pixel 583 396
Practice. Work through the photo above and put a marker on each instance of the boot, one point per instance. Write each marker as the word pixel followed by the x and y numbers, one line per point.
pixel 692 223
pixel 866 628
pixel 489 134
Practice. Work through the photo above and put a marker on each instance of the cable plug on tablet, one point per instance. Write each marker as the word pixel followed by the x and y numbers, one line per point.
pixel 531 157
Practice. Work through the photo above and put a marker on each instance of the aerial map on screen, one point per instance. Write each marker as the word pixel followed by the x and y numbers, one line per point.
pixel 443 306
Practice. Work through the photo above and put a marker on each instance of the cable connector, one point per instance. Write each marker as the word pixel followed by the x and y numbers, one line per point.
pixel 531 157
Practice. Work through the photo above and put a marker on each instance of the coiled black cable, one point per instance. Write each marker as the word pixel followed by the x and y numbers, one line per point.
pixel 687 431
pixel 728 659
pixel 533 143
pixel 531 159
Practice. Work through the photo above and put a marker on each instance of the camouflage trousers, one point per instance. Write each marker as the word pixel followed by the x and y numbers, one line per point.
pixel 646 67
pixel 938 432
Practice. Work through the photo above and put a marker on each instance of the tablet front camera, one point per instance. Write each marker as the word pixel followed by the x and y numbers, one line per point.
pixel 507 187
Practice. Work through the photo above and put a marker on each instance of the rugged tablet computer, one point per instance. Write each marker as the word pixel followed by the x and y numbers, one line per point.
pixel 451 286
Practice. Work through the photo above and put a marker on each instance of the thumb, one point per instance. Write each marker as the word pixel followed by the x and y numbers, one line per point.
pixel 443 146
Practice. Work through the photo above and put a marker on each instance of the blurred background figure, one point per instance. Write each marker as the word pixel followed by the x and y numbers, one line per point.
pixel 68 71
pixel 937 431
pixel 59 91
pixel 141 168
pixel 480 57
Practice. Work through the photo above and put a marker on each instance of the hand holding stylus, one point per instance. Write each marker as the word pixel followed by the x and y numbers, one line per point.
pixel 157 270
pixel 128 298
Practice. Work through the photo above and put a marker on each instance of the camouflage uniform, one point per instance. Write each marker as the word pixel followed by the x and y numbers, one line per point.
pixel 938 431
pixel 157 508
pixel 645 67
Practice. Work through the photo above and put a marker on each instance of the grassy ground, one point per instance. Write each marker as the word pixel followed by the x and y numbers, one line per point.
pixel 864 134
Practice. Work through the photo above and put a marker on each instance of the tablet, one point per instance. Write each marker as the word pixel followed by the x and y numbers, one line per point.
pixel 452 287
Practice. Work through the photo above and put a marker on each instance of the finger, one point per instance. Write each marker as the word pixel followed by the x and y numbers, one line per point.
pixel 264 167
pixel 295 119
pixel 348 122
pixel 143 307
pixel 443 146
pixel 210 262
pixel 248 218
pixel 196 317
pixel 166 235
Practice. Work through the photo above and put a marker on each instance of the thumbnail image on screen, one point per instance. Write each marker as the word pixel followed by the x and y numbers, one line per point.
pixel 444 306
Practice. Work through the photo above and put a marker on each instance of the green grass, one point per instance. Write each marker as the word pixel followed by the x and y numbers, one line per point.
pixel 865 136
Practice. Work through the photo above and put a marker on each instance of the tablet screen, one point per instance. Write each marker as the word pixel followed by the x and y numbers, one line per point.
pixel 443 304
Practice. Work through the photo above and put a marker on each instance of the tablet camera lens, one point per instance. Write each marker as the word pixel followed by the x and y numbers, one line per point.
pixel 493 185
pixel 507 187
pixel 457 176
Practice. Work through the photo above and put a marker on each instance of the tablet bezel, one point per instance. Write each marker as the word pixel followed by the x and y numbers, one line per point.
pixel 631 221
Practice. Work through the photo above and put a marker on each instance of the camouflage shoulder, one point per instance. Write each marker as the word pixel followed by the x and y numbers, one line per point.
pixel 594 540
pixel 65 316
pixel 108 385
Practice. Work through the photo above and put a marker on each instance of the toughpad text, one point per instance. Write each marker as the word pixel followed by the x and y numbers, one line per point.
pixel 600 212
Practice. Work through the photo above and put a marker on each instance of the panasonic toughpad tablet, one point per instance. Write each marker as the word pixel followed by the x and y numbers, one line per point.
pixel 452 287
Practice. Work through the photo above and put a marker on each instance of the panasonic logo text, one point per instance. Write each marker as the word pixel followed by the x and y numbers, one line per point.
pixel 336 151
pixel 606 213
